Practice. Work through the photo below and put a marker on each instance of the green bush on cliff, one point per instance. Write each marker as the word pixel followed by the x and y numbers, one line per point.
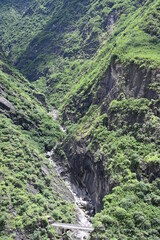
pixel 134 105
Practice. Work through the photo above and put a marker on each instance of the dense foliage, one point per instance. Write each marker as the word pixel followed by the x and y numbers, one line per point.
pixel 29 185
pixel 69 43
pixel 130 155
pixel 28 193
pixel 98 62
pixel 131 212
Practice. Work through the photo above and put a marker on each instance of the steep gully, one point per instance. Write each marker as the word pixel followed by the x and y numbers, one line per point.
pixel 83 202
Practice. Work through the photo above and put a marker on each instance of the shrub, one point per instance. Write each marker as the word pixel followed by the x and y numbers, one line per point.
pixel 106 219
pixel 120 213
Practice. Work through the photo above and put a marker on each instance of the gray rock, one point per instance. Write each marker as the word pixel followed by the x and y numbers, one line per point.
pixel 6 105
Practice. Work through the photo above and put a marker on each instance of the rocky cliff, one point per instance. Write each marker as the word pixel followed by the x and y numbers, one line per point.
pixel 128 99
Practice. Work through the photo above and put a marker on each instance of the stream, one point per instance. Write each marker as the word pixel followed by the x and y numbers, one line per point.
pixel 83 203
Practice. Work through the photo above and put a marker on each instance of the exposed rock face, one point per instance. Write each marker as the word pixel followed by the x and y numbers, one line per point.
pixel 88 172
pixel 7 108
pixel 129 81
pixel 111 21
pixel 119 82
pixel 6 105
pixel 151 171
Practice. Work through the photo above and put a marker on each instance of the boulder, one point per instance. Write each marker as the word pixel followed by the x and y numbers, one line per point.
pixel 6 105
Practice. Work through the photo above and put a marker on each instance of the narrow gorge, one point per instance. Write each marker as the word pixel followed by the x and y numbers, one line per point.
pixel 83 203
pixel 79 120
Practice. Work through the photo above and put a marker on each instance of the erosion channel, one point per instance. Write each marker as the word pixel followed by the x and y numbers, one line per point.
pixel 83 202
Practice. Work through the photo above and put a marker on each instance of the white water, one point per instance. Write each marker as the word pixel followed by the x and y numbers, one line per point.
pixel 55 115
pixel 79 195
pixel 83 218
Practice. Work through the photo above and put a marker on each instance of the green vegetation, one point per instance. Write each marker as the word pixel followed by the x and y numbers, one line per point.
pixel 29 185
pixel 134 105
pixel 28 194
pixel 130 212
pixel 67 46
pixel 129 151
pixel 21 22
pixel 98 62
pixel 28 112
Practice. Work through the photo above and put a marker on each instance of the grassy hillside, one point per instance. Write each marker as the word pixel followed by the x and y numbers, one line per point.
pixel 29 185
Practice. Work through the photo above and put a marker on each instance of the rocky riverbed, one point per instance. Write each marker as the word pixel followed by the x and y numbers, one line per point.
pixel 83 203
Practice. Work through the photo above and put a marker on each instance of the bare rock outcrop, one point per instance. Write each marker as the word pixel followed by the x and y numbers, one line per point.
pixel 6 105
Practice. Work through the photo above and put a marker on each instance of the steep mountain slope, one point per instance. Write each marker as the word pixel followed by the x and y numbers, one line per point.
pixel 99 62
pixel 75 38
pixel 29 185
pixel 115 140
pixel 21 21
